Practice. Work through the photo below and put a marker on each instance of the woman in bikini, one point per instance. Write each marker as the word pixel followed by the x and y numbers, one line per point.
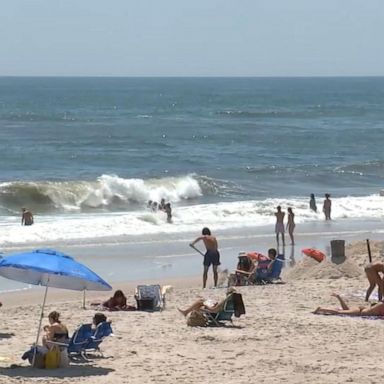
pixel 56 330
pixel 374 310
pixel 291 225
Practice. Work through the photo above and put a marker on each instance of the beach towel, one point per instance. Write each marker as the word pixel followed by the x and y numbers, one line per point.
pixel 352 317
pixel 238 304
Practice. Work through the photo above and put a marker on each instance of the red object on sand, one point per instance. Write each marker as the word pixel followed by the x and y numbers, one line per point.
pixel 256 256
pixel 314 253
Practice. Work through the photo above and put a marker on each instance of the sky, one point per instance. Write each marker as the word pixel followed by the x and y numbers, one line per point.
pixel 191 38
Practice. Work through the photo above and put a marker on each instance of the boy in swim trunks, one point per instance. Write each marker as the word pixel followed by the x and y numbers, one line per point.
pixel 212 255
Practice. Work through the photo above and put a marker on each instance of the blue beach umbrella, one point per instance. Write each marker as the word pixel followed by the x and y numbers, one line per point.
pixel 51 268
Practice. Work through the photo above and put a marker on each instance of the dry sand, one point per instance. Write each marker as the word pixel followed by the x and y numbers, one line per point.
pixel 279 340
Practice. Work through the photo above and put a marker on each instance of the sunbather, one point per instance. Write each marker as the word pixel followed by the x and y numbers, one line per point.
pixel 209 305
pixel 374 310
pixel 117 302
pixel 373 275
pixel 56 330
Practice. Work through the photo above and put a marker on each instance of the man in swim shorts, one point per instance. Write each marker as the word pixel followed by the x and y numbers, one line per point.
pixel 212 255
pixel 27 217
pixel 279 227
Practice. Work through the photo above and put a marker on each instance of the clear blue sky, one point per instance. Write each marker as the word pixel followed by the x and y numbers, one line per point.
pixel 192 38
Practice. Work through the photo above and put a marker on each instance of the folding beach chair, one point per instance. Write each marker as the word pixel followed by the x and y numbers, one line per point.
pixel 265 274
pixel 149 298
pixel 227 312
pixel 102 331
pixel 79 339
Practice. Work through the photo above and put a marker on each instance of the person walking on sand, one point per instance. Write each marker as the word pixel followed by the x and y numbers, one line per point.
pixel 279 227
pixel 291 224
pixel 27 217
pixel 312 203
pixel 212 255
pixel 327 207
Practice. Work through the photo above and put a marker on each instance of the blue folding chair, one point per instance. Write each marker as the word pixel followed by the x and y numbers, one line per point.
pixel 102 331
pixel 79 339
pixel 264 274
pixel 276 268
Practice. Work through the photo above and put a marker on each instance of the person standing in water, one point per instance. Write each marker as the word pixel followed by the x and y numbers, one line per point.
pixel 212 255
pixel 27 217
pixel 327 207
pixel 312 203
pixel 168 211
pixel 291 224
pixel 279 227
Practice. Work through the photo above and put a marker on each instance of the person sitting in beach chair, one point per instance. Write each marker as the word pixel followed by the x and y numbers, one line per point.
pixel 149 298
pixel 266 270
pixel 246 266
pixel 55 336
pixel 215 312
pixel 88 337
pixel 102 329
pixel 374 310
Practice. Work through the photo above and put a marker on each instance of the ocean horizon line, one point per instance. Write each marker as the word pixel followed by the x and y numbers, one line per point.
pixel 195 76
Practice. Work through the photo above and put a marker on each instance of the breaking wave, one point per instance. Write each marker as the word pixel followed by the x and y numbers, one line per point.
pixel 107 192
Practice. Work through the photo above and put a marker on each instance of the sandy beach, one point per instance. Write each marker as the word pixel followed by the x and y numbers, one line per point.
pixel 278 340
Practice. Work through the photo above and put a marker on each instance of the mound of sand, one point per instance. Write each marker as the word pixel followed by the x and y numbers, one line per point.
pixel 309 268
pixel 353 266
pixel 358 252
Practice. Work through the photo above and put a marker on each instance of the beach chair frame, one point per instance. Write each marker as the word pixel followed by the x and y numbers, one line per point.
pixel 146 293
pixel 226 314
pixel 102 331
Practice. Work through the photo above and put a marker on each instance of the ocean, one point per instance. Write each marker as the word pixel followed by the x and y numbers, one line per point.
pixel 86 154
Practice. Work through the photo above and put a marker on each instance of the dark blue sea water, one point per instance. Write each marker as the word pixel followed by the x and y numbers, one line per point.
pixel 225 148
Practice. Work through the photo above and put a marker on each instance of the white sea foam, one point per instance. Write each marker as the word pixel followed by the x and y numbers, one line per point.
pixel 224 215
pixel 107 191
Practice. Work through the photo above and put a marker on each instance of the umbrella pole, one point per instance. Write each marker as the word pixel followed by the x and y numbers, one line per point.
pixel 84 299
pixel 38 329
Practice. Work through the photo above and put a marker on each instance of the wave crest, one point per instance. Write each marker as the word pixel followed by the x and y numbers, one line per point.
pixel 108 192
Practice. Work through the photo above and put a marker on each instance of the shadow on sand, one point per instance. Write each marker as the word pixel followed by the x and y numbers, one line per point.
pixel 6 335
pixel 72 371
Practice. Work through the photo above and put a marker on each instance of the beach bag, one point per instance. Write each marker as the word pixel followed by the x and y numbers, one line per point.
pixel 39 357
pixel 52 358
pixel 197 319
pixel 64 358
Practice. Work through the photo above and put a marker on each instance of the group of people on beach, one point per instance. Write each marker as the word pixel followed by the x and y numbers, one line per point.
pixel 154 206
pixel 55 334
pixel 374 272
pixel 280 227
